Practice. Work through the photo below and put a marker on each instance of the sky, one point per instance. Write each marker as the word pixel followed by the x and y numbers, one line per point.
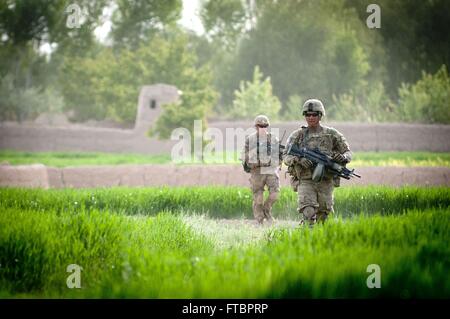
pixel 190 16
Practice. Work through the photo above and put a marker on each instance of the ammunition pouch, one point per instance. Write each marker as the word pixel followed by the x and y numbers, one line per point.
pixel 265 164
pixel 293 180
pixel 247 168
pixel 336 181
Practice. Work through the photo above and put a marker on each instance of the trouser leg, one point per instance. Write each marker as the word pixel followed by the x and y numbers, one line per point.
pixel 257 184
pixel 273 184
pixel 307 202
pixel 325 199
pixel 271 199
pixel 258 206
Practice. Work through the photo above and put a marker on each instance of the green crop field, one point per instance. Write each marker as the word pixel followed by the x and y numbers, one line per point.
pixel 63 159
pixel 198 243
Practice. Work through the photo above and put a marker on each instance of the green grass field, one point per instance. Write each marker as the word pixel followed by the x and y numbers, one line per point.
pixel 174 243
pixel 62 159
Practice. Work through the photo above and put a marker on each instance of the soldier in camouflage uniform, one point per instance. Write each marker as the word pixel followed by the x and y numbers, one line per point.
pixel 261 154
pixel 315 198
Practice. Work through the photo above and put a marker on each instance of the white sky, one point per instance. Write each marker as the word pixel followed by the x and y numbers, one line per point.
pixel 190 17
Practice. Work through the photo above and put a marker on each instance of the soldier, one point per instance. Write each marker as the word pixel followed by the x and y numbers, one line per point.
pixel 262 157
pixel 315 198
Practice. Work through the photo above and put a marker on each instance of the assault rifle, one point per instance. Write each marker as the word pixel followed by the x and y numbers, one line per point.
pixel 323 161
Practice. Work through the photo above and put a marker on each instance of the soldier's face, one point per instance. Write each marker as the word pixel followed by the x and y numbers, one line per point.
pixel 312 118
pixel 261 129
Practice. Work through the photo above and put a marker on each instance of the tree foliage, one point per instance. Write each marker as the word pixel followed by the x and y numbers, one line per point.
pixel 134 22
pixel 224 21
pixel 370 104
pixel 415 37
pixel 255 97
pixel 24 27
pixel 308 48
pixel 310 59
pixel 428 100
pixel 108 84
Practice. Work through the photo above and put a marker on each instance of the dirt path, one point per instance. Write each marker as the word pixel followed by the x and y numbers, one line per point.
pixel 195 175
pixel 235 232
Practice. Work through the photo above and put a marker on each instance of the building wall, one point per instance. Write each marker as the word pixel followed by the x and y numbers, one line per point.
pixel 69 137
pixel 361 137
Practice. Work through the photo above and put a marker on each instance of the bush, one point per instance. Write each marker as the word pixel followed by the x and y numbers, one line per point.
pixel 107 85
pixel 255 98
pixel 21 104
pixel 292 110
pixel 428 100
pixel 371 104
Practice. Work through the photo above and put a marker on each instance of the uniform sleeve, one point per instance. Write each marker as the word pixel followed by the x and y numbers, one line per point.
pixel 341 146
pixel 290 159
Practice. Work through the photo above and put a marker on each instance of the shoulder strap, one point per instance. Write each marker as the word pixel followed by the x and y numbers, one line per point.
pixel 303 135
pixel 257 148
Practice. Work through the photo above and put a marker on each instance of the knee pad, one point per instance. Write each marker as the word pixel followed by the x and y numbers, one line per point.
pixel 309 212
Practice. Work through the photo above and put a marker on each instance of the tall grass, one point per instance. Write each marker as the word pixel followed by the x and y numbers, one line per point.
pixel 401 159
pixel 160 257
pixel 62 159
pixel 220 202
pixel 36 247
pixel 130 250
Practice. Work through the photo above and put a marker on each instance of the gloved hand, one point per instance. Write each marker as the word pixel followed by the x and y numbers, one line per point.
pixel 305 163
pixel 339 158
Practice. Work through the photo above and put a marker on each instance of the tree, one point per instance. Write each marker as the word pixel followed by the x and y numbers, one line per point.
pixel 307 48
pixel 107 85
pixel 24 27
pixel 134 22
pixel 428 100
pixel 293 108
pixel 254 98
pixel 368 104
pixel 414 36
pixel 225 21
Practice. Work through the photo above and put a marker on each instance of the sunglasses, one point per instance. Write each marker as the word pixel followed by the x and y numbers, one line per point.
pixel 311 114
pixel 262 126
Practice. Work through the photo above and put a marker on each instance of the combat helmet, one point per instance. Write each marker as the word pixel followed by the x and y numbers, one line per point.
pixel 313 105
pixel 262 120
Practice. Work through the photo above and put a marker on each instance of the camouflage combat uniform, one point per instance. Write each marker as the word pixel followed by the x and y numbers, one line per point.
pixel 315 199
pixel 261 152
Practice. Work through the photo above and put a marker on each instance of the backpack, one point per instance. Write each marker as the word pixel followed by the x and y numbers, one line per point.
pixel 245 165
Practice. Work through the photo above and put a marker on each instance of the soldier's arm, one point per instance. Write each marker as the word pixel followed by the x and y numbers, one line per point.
pixel 290 159
pixel 341 146
pixel 244 152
